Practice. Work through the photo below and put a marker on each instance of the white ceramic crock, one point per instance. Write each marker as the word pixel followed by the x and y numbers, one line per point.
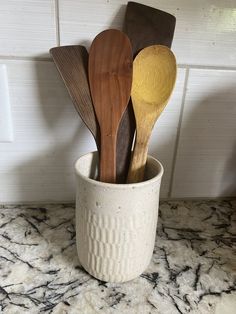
pixel 116 223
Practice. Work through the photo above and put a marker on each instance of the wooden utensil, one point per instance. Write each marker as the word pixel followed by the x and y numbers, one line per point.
pixel 145 26
pixel 72 64
pixel 154 75
pixel 110 78
pixel 124 144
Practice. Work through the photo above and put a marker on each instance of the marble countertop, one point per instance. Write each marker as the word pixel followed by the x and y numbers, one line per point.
pixel 193 269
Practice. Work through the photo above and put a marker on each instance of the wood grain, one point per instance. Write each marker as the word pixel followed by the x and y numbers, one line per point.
pixel 154 76
pixel 110 78
pixel 72 64
pixel 145 26
pixel 124 145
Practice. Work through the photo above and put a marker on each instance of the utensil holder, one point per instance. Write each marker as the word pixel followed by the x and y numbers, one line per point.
pixel 115 223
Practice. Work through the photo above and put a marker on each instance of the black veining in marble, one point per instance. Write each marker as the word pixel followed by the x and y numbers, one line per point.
pixel 193 268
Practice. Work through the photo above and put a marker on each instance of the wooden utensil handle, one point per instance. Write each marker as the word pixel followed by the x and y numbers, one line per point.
pixel 125 138
pixel 108 159
pixel 138 161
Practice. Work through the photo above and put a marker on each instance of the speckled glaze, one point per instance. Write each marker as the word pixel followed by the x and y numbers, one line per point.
pixel 116 223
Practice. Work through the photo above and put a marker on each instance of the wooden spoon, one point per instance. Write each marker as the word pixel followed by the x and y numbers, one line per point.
pixel 145 26
pixel 154 75
pixel 72 64
pixel 110 78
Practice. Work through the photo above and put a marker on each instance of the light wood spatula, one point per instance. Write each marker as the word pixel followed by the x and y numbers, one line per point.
pixel 154 75
pixel 110 79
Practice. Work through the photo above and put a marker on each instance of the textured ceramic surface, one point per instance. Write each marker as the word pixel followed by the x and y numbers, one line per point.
pixel 116 224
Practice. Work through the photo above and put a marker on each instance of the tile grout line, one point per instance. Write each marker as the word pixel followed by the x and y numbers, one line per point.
pixel 178 132
pixel 25 58
pixel 57 21
pixel 180 66
pixel 206 67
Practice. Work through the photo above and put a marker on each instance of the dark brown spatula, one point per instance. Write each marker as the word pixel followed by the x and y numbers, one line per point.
pixel 145 26
pixel 110 79
pixel 72 64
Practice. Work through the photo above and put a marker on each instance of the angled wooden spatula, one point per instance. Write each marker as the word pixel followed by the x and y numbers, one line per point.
pixel 72 64
pixel 110 78
pixel 146 26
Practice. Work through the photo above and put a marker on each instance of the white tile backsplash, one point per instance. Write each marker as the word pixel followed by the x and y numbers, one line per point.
pixel 81 21
pixel 49 136
pixel 205 30
pixel 163 138
pixel 6 126
pixel 48 133
pixel 205 164
pixel 27 28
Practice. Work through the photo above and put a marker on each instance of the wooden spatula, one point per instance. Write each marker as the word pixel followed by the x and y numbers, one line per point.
pixel 110 78
pixel 145 26
pixel 72 64
pixel 154 75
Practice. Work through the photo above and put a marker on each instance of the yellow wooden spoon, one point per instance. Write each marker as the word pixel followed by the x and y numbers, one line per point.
pixel 154 75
